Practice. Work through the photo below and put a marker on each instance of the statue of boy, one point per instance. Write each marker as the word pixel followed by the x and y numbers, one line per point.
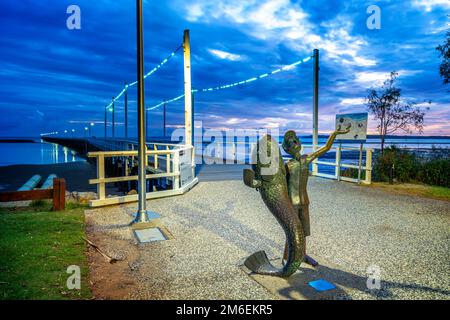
pixel 297 170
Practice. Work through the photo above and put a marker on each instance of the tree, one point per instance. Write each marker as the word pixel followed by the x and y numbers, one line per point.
pixel 444 53
pixel 391 113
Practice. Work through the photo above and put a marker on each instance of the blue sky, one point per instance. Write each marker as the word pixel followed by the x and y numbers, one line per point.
pixel 53 78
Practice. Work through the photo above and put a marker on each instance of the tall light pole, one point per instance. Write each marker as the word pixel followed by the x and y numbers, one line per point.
pixel 90 125
pixel 125 102
pixel 113 120
pixel 142 215
pixel 146 124
pixel 164 119
pixel 106 118
pixel 316 107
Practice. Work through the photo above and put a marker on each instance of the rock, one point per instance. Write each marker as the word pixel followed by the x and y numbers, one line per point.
pixel 85 197
pixel 80 197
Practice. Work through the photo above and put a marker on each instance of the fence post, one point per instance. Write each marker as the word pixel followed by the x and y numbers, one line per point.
pixel 368 179
pixel 155 158
pixel 167 160
pixel 59 194
pixel 338 163
pixel 101 176
pixel 176 170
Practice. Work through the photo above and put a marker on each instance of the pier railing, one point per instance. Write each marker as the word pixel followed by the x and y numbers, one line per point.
pixel 170 164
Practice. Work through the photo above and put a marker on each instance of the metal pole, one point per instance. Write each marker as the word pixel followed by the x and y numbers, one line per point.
pixel 164 119
pixel 126 110
pixel 141 214
pixel 187 90
pixel 106 110
pixel 146 125
pixel 316 106
pixel 113 120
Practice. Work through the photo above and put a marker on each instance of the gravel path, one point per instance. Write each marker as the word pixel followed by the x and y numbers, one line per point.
pixel 218 224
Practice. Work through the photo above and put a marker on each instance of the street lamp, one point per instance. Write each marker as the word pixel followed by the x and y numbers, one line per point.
pixel 91 125
pixel 142 216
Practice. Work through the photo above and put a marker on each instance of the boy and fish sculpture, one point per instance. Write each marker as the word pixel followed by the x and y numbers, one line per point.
pixel 283 188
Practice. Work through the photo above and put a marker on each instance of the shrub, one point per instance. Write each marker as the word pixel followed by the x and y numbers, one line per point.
pixel 435 172
pixel 404 165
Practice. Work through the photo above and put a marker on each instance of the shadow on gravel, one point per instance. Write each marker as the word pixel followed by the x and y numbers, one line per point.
pixel 298 285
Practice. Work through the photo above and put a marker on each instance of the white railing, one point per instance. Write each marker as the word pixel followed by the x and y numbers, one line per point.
pixel 338 165
pixel 232 151
pixel 170 162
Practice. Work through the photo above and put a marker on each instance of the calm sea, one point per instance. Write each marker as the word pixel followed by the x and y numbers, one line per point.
pixel 49 153
pixel 36 153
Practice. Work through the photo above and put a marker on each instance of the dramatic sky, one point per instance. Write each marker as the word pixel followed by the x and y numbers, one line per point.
pixel 53 78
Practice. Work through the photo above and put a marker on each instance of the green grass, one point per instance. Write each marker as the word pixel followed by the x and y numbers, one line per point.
pixel 416 189
pixel 36 247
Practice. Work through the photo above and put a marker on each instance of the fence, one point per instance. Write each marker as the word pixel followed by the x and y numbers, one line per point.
pixel 57 193
pixel 233 151
pixel 169 162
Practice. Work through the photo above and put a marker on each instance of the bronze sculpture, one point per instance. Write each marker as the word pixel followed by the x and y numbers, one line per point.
pixel 272 185
pixel 284 191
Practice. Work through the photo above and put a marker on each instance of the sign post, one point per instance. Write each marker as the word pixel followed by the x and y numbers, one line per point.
pixel 357 122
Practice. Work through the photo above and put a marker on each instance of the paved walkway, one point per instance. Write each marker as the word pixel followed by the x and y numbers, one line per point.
pixel 219 223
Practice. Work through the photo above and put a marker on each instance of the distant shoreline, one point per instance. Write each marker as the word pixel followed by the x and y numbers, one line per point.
pixel 17 141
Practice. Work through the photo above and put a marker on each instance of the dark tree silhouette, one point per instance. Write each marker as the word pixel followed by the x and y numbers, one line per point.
pixel 444 53
pixel 391 113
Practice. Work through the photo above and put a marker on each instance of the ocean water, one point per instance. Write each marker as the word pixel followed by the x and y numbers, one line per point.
pixel 49 153
pixel 36 153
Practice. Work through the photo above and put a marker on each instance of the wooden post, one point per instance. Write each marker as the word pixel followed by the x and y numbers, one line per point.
pixel 187 90
pixel 368 179
pixel 168 160
pixel 101 175
pixel 176 170
pixel 360 162
pixel 155 158
pixel 59 194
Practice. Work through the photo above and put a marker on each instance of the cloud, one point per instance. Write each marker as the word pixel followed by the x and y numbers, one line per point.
pixel 429 5
pixel 225 55
pixel 352 101
pixel 377 78
pixel 282 21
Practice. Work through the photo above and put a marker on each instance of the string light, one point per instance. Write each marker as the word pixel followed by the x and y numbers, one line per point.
pixel 145 76
pixel 234 84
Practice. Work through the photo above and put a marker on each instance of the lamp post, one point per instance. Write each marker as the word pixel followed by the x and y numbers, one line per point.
pixel 142 216
pixel 106 110
pixel 126 110
pixel 164 119
pixel 90 125
pixel 113 120
pixel 316 107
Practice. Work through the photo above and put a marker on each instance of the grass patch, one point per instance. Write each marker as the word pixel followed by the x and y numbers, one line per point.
pixel 36 247
pixel 434 192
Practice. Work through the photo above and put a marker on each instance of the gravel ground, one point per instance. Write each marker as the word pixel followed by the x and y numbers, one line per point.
pixel 219 223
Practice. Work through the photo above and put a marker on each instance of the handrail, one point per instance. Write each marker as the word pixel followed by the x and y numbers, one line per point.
pixel 170 169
